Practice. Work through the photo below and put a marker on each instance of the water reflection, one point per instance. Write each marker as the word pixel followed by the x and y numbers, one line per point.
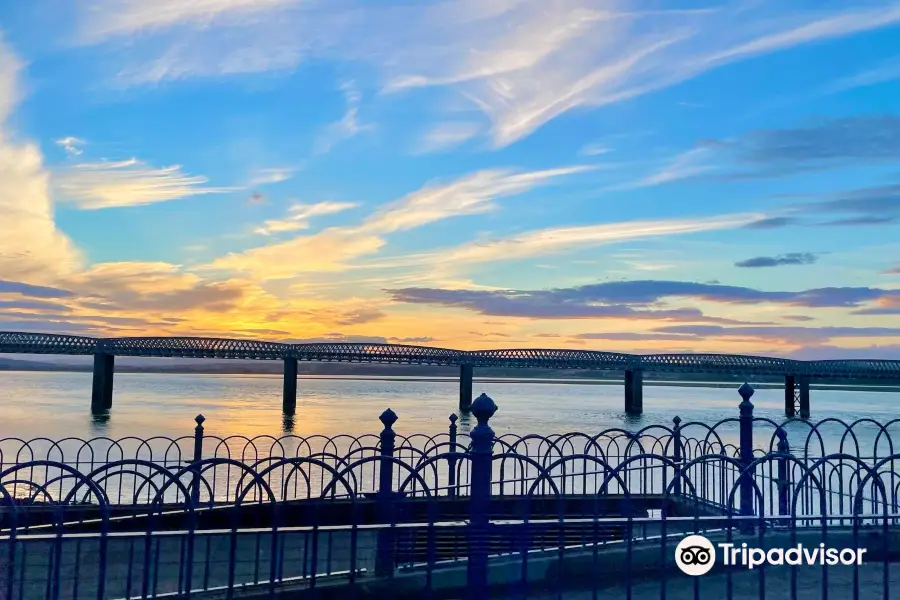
pixel 287 423
pixel 166 404
pixel 465 423
pixel 99 421
pixel 633 422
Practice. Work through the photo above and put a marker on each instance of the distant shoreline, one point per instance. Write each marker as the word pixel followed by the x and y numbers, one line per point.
pixel 449 379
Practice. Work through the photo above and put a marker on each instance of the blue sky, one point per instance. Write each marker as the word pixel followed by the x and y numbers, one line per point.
pixel 633 176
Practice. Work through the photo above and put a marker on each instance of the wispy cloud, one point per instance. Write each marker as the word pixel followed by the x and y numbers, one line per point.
pixel 885 72
pixel 800 334
pixel 641 299
pixel 823 143
pixel 805 30
pixel 469 195
pixel 33 291
pixel 579 54
pixel 333 248
pixel 793 258
pixel 128 183
pixel 826 352
pixel 594 149
pixel 772 223
pixel 682 166
pixel 111 18
pixel 771 334
pixel 539 305
pixel 879 205
pixel 563 239
pixel 887 305
pixel 446 136
pixel 72 145
pixel 522 64
pixel 156 286
pixel 271 175
pixel 349 125
pixel 300 214
pixel 330 250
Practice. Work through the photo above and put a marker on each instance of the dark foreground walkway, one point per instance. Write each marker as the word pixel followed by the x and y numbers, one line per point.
pixel 746 586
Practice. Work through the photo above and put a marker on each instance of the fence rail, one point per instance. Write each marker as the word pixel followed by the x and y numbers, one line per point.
pixel 496 516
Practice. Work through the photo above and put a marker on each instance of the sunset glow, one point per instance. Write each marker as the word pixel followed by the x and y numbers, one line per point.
pixel 599 174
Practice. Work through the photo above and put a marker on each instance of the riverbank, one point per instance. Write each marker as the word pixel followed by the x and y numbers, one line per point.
pixel 583 381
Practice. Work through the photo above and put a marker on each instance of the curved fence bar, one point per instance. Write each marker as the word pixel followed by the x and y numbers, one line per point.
pixel 696 460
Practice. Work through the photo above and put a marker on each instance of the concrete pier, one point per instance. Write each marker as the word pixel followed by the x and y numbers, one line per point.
pixel 289 397
pixel 634 391
pixel 804 396
pixel 465 387
pixel 102 392
pixel 789 391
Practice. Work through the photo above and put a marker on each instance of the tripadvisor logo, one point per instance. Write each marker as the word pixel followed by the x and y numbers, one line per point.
pixel 696 555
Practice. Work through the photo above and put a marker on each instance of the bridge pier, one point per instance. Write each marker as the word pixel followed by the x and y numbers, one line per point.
pixel 465 387
pixel 102 391
pixel 634 391
pixel 789 391
pixel 289 397
pixel 804 396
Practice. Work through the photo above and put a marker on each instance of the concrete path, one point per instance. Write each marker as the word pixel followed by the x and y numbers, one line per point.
pixel 79 570
pixel 746 585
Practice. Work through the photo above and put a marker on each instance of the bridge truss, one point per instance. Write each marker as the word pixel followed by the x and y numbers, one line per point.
pixel 195 347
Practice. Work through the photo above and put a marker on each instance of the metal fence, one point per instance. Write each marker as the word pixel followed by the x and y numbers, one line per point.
pixel 474 516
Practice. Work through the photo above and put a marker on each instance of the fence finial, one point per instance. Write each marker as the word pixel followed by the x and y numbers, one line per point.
pixel 483 408
pixel 384 559
pixel 198 456
pixel 746 457
pixel 480 497
pixel 388 418
pixel 677 455
pixel 451 460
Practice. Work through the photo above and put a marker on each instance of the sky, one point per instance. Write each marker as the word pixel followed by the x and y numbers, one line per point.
pixel 633 176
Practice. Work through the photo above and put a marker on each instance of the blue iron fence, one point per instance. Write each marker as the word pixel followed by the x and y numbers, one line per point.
pixel 477 516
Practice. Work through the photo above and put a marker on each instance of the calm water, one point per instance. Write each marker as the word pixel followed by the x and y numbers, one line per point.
pixel 56 405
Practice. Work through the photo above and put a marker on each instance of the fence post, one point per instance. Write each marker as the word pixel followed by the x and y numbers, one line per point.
pixel 676 440
pixel 451 462
pixel 746 457
pixel 198 456
pixel 480 499
pixel 784 483
pixel 384 559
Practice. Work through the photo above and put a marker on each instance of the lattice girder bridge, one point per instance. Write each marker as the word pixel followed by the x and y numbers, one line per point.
pixel 797 373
